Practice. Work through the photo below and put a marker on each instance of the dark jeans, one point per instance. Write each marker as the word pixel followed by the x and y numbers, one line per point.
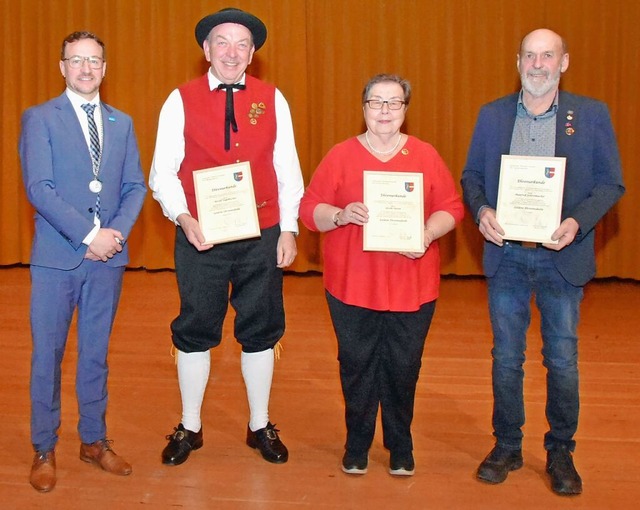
pixel 380 356
pixel 525 272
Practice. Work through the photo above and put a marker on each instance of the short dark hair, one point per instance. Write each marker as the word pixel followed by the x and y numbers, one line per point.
pixel 380 78
pixel 77 36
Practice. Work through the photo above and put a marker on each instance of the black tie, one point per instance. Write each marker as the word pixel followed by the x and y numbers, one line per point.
pixel 229 116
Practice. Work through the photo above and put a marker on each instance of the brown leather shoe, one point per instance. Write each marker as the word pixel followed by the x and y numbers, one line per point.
pixel 101 454
pixel 43 471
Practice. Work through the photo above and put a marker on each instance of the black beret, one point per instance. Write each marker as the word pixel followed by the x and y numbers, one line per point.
pixel 231 15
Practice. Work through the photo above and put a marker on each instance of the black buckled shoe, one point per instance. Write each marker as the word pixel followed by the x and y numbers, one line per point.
pixel 496 466
pixel 181 442
pixel 565 480
pixel 267 441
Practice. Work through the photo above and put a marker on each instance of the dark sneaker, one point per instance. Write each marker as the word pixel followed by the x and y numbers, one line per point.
pixel 496 466
pixel 181 442
pixel 355 464
pixel 267 441
pixel 402 464
pixel 565 480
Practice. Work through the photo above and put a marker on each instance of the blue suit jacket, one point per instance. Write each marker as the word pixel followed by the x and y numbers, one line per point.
pixel 593 177
pixel 56 168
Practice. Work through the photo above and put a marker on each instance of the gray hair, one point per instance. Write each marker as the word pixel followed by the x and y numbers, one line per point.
pixel 381 78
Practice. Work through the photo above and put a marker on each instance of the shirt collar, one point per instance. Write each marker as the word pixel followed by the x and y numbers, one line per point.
pixel 523 112
pixel 214 82
pixel 77 100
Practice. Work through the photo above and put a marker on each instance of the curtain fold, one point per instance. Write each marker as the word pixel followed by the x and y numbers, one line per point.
pixel 457 54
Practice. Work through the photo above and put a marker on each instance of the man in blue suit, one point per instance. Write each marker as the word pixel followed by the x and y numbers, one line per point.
pixel 82 174
pixel 540 120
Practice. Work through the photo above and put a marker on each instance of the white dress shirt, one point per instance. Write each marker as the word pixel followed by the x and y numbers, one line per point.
pixel 77 101
pixel 169 153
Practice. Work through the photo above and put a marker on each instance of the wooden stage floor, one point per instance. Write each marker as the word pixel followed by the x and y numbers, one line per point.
pixel 451 427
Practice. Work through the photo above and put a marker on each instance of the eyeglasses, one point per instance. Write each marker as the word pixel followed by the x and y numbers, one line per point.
pixel 76 62
pixel 376 104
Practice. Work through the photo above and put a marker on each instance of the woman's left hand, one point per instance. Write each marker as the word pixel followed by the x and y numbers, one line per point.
pixel 412 255
pixel 429 237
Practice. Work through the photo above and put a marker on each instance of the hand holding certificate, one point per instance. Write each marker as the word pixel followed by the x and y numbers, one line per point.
pixel 396 212
pixel 226 203
pixel 530 197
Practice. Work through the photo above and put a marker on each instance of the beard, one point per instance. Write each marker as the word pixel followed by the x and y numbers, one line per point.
pixel 537 88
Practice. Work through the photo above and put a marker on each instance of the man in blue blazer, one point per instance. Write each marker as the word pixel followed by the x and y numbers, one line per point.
pixel 82 174
pixel 540 121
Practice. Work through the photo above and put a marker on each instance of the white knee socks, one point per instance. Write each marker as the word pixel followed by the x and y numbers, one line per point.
pixel 193 375
pixel 257 371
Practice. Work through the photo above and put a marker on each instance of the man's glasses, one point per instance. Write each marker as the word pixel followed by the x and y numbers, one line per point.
pixel 76 62
pixel 376 104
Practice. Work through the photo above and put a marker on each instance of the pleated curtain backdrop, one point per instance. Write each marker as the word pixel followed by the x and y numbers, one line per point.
pixel 458 55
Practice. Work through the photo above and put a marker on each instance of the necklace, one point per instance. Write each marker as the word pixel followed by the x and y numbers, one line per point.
pixel 382 153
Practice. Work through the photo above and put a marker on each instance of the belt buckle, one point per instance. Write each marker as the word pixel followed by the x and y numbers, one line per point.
pixel 528 244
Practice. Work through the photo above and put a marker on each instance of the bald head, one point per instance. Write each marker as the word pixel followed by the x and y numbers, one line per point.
pixel 545 35
pixel 541 61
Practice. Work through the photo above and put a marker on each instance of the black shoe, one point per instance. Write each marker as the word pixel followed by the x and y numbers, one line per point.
pixel 267 441
pixel 355 464
pixel 496 466
pixel 181 442
pixel 402 464
pixel 565 480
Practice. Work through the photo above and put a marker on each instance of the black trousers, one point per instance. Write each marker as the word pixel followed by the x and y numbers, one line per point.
pixel 243 273
pixel 380 355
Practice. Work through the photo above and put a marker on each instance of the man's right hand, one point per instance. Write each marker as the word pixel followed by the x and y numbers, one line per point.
pixel 191 229
pixel 104 246
pixel 489 226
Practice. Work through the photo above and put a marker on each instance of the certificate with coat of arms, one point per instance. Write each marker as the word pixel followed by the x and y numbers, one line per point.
pixel 226 203
pixel 396 211
pixel 530 194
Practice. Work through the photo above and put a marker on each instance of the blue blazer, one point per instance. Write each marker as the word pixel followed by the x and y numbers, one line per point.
pixel 593 176
pixel 56 168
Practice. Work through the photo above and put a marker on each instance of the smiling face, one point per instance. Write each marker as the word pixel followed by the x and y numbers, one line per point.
pixel 229 48
pixel 385 121
pixel 541 61
pixel 84 81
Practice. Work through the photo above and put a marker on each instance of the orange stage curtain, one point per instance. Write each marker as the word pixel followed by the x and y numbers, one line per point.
pixel 458 54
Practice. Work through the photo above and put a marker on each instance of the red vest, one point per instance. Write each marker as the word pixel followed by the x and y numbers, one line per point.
pixel 254 142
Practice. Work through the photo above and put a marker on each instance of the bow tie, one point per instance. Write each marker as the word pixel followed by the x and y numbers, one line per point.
pixel 229 115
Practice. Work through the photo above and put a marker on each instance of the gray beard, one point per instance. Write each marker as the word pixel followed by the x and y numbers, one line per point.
pixel 539 89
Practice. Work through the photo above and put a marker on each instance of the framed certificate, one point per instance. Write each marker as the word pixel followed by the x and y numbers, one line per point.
pixel 226 203
pixel 396 212
pixel 530 197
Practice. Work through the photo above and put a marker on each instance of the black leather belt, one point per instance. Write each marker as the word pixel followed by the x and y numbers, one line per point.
pixel 525 244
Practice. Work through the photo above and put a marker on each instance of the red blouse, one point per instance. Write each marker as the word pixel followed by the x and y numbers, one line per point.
pixel 378 280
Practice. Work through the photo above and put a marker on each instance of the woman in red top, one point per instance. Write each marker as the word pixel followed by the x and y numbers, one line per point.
pixel 381 303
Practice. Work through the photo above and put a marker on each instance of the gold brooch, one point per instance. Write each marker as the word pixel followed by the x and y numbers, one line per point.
pixel 569 126
pixel 257 109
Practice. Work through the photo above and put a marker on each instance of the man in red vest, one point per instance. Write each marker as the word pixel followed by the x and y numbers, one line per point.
pixel 222 118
